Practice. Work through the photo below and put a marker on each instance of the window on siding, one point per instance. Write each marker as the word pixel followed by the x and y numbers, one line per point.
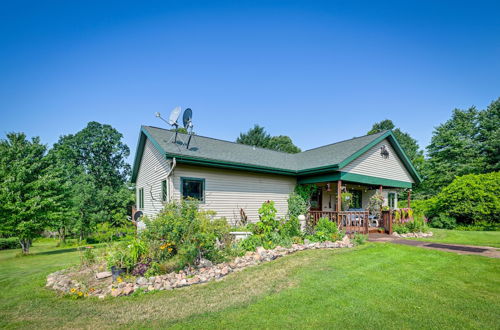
pixel 164 191
pixel 141 198
pixel 392 200
pixel 194 188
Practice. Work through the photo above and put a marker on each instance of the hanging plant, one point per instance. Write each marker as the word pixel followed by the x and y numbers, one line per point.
pixel 346 200
pixel 375 204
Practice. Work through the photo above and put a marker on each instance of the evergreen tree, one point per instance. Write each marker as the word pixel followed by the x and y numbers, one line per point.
pixel 258 137
pixel 489 136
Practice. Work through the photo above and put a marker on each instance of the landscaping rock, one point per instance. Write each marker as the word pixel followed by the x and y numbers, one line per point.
pixel 116 292
pixel 103 275
pixel 204 263
pixel 128 290
pixel 141 281
pixel 260 250
pixel 416 235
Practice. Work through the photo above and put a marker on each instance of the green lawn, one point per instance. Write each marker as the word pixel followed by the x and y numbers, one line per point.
pixel 482 238
pixel 377 285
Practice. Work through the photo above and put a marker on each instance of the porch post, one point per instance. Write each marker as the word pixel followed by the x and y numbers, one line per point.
pixel 339 200
pixel 380 189
pixel 339 193
pixel 409 198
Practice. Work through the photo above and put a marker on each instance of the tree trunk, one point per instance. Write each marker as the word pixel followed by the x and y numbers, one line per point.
pixel 62 235
pixel 25 245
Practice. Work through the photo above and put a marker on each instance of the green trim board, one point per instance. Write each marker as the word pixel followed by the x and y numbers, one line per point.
pixel 356 178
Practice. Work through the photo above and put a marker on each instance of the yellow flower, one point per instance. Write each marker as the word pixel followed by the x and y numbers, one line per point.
pixel 163 246
pixel 73 290
pixel 80 293
pixel 119 280
pixel 169 249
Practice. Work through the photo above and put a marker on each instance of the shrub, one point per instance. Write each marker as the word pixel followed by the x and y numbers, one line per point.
pixel 410 225
pixel 480 226
pixel 326 230
pixel 87 255
pixel 359 239
pixel 9 243
pixel 443 221
pixel 296 205
pixel 472 198
pixel 291 227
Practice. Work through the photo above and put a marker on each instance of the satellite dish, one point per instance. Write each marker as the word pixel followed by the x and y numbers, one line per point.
pixel 186 118
pixel 174 115
pixel 137 215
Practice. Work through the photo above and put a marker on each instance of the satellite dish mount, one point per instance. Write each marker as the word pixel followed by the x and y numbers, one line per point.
pixel 187 121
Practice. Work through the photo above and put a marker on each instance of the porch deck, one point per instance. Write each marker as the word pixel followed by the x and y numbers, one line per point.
pixel 353 221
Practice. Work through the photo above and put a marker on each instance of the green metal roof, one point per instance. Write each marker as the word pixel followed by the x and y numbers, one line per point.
pixel 218 153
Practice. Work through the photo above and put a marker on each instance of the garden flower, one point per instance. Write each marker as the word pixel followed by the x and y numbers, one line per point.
pixel 73 290
pixel 80 293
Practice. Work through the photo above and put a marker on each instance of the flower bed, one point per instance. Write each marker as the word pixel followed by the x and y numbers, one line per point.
pixel 65 282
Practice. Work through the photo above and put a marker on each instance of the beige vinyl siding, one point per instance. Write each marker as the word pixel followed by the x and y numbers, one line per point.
pixel 371 163
pixel 227 191
pixel 152 171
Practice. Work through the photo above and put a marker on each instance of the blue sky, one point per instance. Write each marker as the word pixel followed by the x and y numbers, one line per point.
pixel 316 71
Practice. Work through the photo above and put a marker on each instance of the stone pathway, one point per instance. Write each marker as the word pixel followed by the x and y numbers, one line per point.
pixel 485 251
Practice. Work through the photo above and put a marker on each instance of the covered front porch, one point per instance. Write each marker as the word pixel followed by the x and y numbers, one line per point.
pixel 353 215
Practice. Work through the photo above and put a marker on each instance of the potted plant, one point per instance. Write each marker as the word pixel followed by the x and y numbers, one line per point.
pixel 117 262
pixel 381 230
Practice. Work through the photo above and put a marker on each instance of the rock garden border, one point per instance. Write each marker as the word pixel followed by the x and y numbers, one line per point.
pixel 416 235
pixel 205 271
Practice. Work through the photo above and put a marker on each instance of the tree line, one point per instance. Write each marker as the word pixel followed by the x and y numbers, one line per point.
pixel 70 188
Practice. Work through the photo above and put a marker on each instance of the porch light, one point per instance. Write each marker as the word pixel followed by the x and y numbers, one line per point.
pixel 328 188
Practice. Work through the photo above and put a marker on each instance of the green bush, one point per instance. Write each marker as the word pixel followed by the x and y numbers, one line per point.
pixel 174 239
pixel 472 199
pixel 410 223
pixel 9 243
pixel 359 239
pixel 480 226
pixel 326 230
pixel 443 221
pixel 290 227
pixel 296 205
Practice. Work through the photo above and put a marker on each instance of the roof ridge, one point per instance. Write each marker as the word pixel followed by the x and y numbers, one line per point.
pixel 271 150
pixel 354 138
pixel 240 144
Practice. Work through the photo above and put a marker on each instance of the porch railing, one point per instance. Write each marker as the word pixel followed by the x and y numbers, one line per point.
pixel 349 221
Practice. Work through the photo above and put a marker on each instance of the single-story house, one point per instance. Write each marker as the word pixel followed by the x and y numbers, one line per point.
pixel 234 179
